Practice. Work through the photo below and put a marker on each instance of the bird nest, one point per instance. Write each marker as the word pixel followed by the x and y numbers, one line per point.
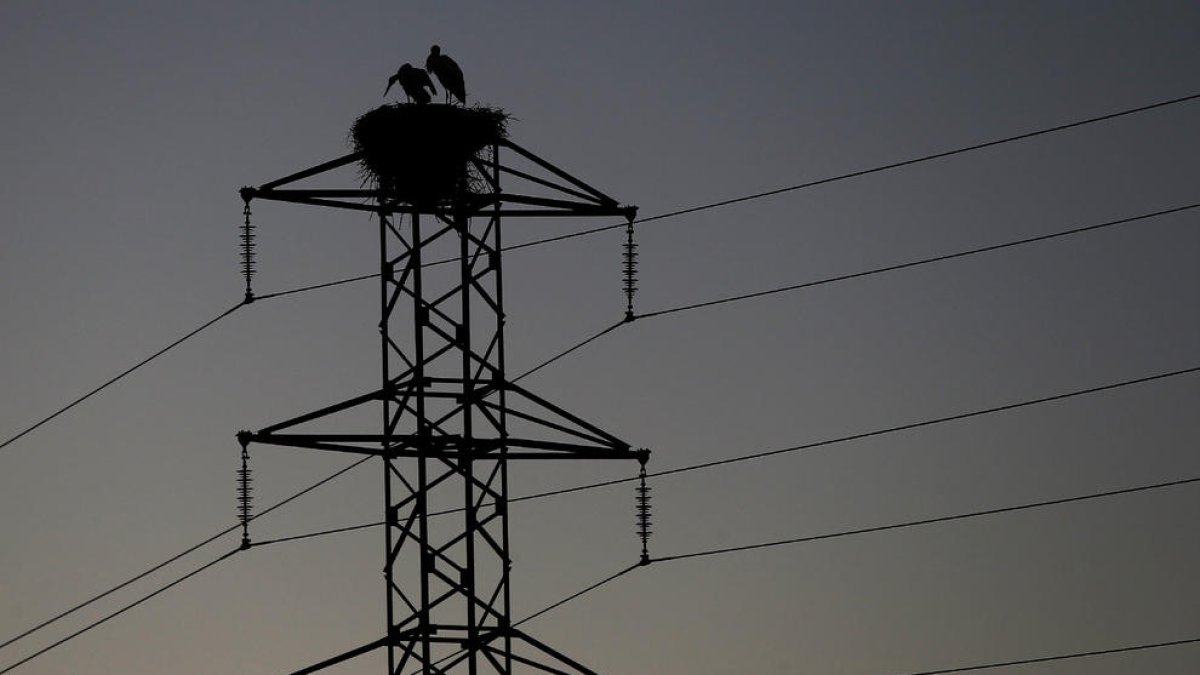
pixel 422 154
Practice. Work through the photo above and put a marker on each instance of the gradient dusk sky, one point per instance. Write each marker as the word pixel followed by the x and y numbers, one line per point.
pixel 129 126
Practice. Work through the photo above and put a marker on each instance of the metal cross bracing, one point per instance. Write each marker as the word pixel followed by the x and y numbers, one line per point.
pixel 451 420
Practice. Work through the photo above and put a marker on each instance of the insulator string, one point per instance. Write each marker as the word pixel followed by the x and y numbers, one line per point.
pixel 245 498
pixel 642 500
pixel 630 270
pixel 248 248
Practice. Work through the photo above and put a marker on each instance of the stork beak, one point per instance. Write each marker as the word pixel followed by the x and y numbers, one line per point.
pixel 391 81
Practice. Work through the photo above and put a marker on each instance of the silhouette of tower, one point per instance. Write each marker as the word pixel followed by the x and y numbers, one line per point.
pixel 452 422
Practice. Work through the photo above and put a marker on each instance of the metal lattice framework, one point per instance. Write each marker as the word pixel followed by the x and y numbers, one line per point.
pixel 451 420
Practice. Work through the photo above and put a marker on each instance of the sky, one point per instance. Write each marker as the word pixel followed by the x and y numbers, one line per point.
pixel 128 128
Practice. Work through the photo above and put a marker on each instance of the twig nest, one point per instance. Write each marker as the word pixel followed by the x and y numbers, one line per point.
pixel 421 154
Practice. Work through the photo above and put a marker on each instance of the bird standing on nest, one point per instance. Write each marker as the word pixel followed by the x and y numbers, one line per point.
pixel 448 73
pixel 413 81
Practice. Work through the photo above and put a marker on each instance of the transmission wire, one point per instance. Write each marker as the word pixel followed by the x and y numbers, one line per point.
pixel 576 594
pixel 924 158
pixel 928 521
pixel 859 436
pixel 1059 657
pixel 119 612
pixel 124 373
pixel 183 553
pixel 578 345
pixel 322 533
pixel 931 422
pixel 857 275
pixel 923 261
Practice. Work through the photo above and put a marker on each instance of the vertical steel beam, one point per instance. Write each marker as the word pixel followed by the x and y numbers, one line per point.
pixel 462 224
pixel 506 566
pixel 438 382
pixel 386 278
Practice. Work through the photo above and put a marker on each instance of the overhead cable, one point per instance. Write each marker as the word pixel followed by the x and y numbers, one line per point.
pixel 927 521
pixel 181 554
pixel 124 373
pixel 932 421
pixel 122 610
pixel 855 275
pixel 578 345
pixel 1060 657
pixel 922 261
pixel 860 436
pixel 925 158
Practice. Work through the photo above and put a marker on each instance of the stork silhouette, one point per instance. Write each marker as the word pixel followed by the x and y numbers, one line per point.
pixel 448 73
pixel 413 81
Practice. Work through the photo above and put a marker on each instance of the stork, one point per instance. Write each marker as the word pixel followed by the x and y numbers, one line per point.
pixel 413 81
pixel 448 73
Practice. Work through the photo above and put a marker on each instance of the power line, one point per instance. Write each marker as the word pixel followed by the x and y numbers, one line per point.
pixel 933 421
pixel 799 186
pixel 183 553
pixel 578 345
pixel 124 373
pixel 1060 657
pixel 927 158
pixel 306 490
pixel 859 275
pixel 860 436
pixel 119 612
pixel 322 533
pixel 314 287
pixel 923 261
pixel 928 521
pixel 576 594
pixel 118 587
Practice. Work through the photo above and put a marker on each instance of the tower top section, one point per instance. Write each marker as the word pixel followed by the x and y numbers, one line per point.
pixel 438 159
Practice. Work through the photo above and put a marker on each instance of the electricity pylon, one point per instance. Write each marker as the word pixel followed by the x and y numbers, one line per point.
pixel 452 421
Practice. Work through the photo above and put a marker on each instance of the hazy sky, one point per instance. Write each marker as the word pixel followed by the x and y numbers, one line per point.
pixel 128 128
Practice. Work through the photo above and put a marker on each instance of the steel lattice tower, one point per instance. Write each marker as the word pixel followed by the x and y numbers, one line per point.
pixel 451 419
